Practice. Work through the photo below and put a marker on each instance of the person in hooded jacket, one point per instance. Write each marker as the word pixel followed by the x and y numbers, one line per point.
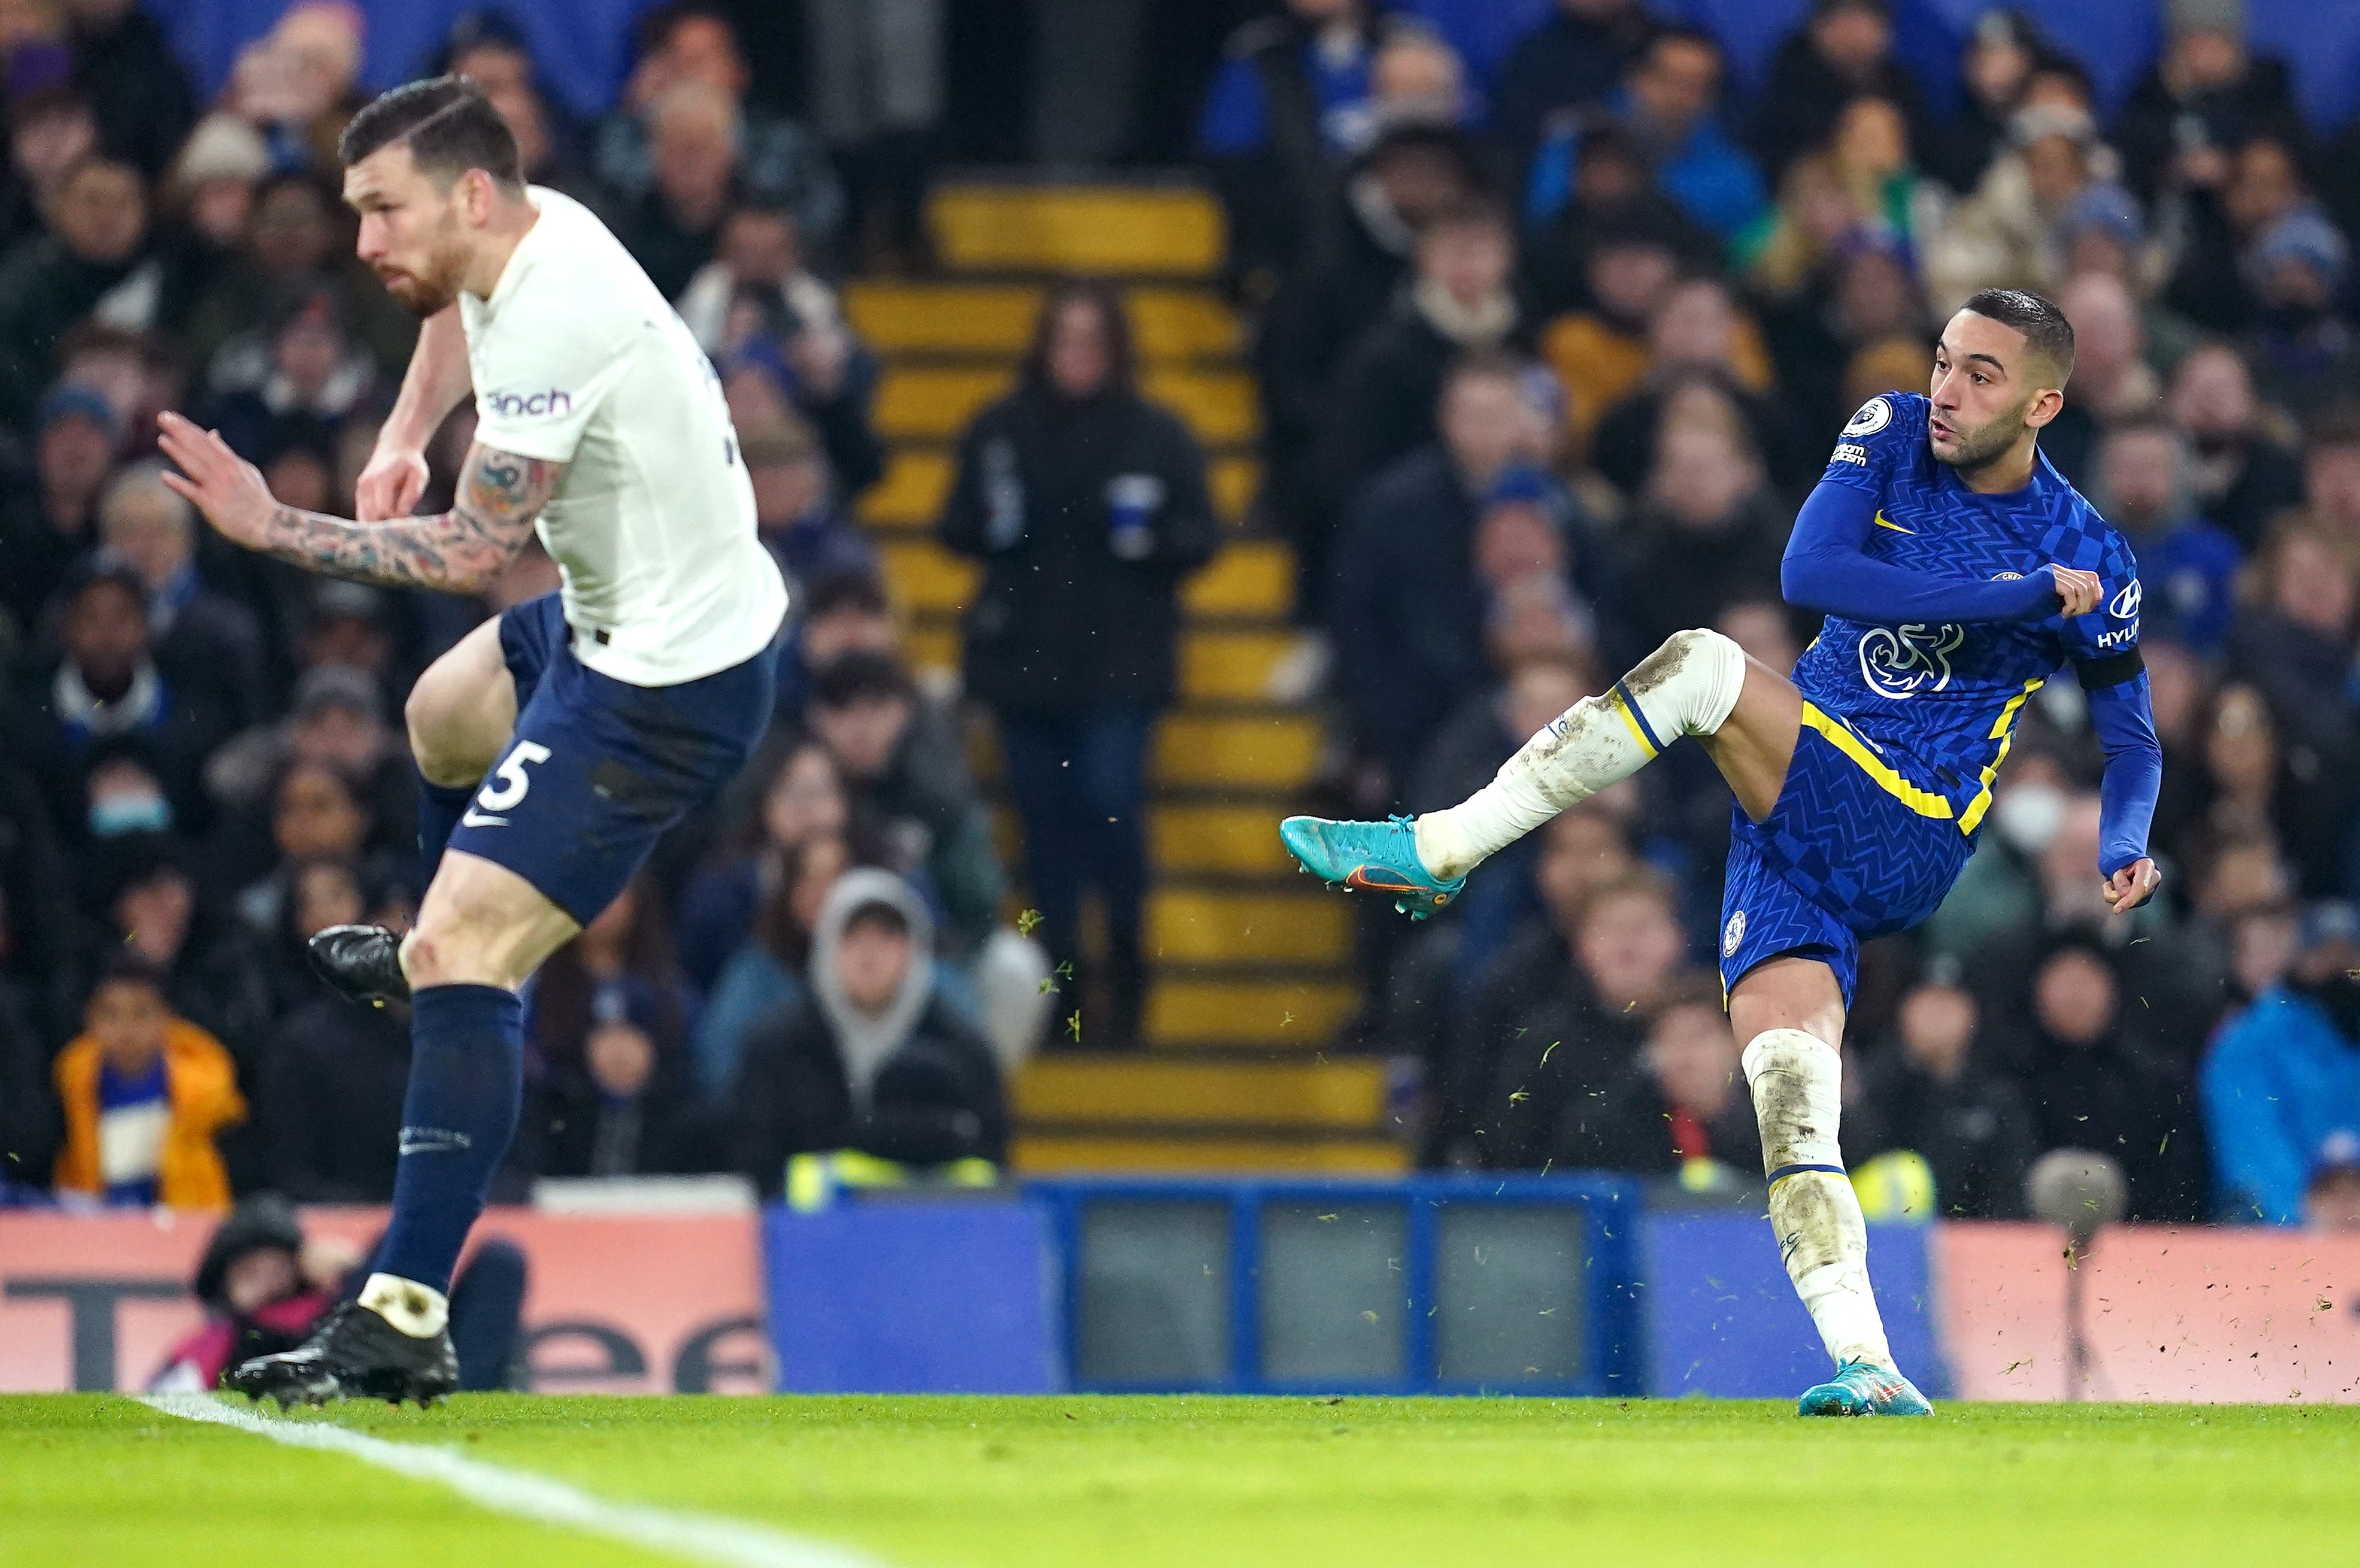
pixel 871 1058
pixel 1087 505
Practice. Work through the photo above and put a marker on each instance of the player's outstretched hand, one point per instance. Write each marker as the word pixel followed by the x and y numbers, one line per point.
pixel 226 488
pixel 2079 589
pixel 2129 887
pixel 391 485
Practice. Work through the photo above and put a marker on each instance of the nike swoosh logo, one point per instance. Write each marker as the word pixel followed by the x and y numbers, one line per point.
pixel 1897 528
pixel 474 819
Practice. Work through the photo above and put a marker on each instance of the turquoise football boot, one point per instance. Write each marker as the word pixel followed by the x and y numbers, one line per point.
pixel 1861 1388
pixel 1373 857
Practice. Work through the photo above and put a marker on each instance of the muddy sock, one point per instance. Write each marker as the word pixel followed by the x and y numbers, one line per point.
pixel 1796 1080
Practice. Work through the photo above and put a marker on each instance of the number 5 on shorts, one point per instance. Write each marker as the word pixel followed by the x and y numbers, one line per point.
pixel 507 785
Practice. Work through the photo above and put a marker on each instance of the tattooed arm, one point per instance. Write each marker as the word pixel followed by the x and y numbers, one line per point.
pixel 462 550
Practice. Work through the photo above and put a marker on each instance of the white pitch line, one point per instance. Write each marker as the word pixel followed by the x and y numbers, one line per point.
pixel 700 1537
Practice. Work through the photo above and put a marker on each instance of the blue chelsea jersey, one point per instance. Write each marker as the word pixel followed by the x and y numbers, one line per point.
pixel 1940 703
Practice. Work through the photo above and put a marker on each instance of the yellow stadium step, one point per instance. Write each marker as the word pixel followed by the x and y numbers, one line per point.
pixel 927 579
pixel 1229 666
pixel 1220 840
pixel 917 480
pixel 936 402
pixel 1202 925
pixel 1253 577
pixel 1277 1015
pixel 1122 1090
pixel 1047 1153
pixel 1274 752
pixel 997 319
pixel 1076 228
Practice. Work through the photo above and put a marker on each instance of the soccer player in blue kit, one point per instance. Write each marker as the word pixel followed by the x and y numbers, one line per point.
pixel 557 741
pixel 1958 572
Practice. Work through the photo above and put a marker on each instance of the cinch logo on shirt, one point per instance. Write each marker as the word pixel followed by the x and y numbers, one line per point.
pixel 514 405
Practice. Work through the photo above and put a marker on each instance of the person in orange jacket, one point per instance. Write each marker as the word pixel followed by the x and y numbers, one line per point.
pixel 145 1092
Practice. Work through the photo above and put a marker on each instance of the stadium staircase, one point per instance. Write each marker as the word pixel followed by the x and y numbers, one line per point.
pixel 1251 963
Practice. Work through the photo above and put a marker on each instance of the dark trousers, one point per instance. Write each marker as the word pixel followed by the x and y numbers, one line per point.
pixel 1080 786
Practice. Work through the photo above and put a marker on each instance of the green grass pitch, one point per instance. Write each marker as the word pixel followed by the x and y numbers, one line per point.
pixel 1143 1483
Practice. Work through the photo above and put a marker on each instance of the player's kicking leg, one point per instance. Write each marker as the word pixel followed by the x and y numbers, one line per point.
pixel 460 716
pixel 1790 1012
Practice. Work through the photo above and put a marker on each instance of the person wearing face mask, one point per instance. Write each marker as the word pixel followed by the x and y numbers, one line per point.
pixel 2284 1076
pixel 2301 349
pixel 873 1058
pixel 2242 477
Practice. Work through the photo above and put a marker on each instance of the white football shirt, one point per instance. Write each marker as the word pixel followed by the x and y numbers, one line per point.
pixel 577 359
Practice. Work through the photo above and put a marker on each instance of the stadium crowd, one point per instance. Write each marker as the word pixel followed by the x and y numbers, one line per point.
pixel 1547 360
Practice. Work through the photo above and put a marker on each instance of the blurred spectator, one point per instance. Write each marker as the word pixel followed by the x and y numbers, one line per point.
pixel 1407 608
pixel 127 71
pixel 1863 305
pixel 295 242
pixel 1707 531
pixel 337 719
pixel 768 972
pixel 2012 231
pixel 2331 470
pixel 105 686
pixel 1688 1102
pixel 1489 727
pixel 489 49
pixel 2106 234
pixel 693 149
pixel 1670 106
pixel 1088 504
pixel 1613 190
pixel 2002 54
pixel 1575 58
pixel 899 757
pixel 145 1095
pixel 794 509
pixel 778 330
pixel 1931 1094
pixel 2092 1088
pixel 1555 1021
pixel 1602 351
pixel 839 613
pixel 293 381
pixel 157 914
pixel 1358 256
pixel 1287 107
pixel 2295 643
pixel 48 524
pixel 93 263
pixel 876 96
pixel 327 1107
pixel 202 639
pixel 1705 363
pixel 873 1059
pixel 41 931
pixel 29 1125
pixel 1460 299
pixel 1843 53
pixel 801 800
pixel 2301 347
pixel 264 1286
pixel 2187 563
pixel 2243 477
pixel 2283 1079
pixel 2204 96
pixel 2215 280
pixel 299 82
pixel 209 193
pixel 691 44
pixel 619 971
pixel 49 130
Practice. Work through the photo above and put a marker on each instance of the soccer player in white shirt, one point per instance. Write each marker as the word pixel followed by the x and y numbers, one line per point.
pixel 557 741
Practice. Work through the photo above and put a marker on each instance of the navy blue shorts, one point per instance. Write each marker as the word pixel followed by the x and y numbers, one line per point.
pixel 1854 850
pixel 598 768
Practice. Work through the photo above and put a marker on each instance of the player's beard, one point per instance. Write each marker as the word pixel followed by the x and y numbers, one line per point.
pixel 425 292
pixel 1980 446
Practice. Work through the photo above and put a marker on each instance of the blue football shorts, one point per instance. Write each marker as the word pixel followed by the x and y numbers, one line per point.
pixel 1854 850
pixel 598 768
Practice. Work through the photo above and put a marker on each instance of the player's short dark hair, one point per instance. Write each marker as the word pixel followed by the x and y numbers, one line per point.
pixel 450 126
pixel 861 676
pixel 2046 331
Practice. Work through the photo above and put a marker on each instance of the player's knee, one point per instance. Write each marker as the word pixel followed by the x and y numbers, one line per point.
pixel 1695 677
pixel 447 947
pixel 441 741
pixel 1794 1052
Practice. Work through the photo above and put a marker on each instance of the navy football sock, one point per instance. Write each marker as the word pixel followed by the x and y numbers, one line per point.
pixel 467 1077
pixel 440 807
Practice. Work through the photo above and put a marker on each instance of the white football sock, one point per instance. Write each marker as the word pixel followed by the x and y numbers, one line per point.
pixel 1684 687
pixel 1797 1084
pixel 416 1309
